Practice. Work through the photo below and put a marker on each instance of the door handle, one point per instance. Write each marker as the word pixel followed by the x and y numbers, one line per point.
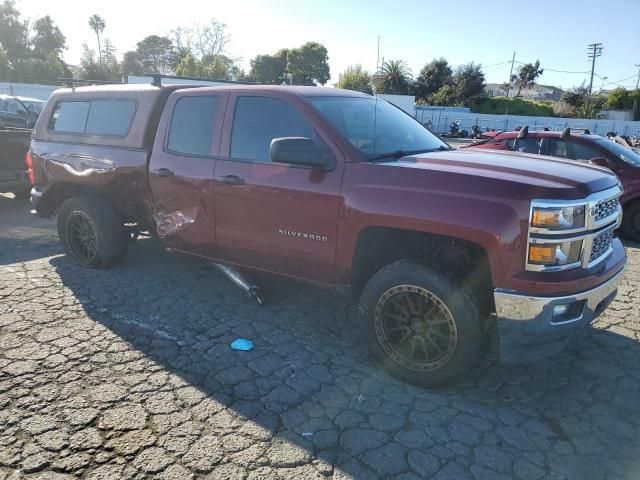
pixel 231 180
pixel 163 172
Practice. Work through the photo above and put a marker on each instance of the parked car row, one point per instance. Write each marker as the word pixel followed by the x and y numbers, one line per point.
pixel 581 147
pixel 19 112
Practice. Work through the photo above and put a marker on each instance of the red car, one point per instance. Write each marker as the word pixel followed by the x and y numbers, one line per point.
pixel 581 147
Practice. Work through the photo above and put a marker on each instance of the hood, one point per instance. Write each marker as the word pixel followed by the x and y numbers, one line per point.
pixel 557 178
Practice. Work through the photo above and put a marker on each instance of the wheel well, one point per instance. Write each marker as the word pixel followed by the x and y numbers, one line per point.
pixel 630 203
pixel 465 262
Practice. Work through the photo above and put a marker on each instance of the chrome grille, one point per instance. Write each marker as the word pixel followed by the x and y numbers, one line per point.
pixel 605 208
pixel 600 245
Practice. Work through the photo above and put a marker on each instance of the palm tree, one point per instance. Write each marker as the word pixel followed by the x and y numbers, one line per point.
pixel 394 77
pixel 96 23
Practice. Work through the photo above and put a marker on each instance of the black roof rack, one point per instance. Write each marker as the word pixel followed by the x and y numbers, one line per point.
pixel 71 82
pixel 523 132
pixel 156 79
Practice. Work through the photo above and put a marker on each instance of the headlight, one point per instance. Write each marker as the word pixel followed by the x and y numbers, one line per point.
pixel 558 218
pixel 555 254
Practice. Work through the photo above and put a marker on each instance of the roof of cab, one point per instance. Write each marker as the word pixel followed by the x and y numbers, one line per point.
pixel 306 91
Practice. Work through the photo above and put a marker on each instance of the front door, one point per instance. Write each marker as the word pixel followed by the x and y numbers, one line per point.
pixel 181 171
pixel 272 216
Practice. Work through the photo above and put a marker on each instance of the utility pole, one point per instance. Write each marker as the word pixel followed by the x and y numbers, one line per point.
pixel 636 93
pixel 595 50
pixel 513 60
pixel 378 57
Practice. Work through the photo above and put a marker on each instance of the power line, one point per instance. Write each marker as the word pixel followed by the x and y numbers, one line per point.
pixel 552 70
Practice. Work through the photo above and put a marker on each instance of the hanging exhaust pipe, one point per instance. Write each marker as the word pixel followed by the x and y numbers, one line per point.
pixel 253 291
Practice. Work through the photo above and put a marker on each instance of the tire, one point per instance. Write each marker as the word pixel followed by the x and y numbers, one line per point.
pixel 455 317
pixel 631 221
pixel 91 232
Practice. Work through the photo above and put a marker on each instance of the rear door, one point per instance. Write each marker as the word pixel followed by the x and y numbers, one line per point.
pixel 181 170
pixel 274 216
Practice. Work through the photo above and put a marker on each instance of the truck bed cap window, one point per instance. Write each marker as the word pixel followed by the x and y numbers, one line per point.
pixel 110 118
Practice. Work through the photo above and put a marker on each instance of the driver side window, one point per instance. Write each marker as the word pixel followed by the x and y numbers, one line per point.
pixel 526 145
pixel 257 121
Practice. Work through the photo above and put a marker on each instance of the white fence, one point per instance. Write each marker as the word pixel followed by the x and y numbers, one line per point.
pixel 32 90
pixel 441 119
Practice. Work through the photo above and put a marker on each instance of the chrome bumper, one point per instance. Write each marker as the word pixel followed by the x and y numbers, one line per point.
pixel 527 328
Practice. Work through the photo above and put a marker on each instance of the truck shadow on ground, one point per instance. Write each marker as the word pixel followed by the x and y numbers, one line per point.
pixel 309 382
pixel 22 236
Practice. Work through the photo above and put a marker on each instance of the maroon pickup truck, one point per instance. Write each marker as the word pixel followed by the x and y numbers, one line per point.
pixel 444 249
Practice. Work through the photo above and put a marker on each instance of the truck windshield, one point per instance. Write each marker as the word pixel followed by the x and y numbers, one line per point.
pixel 624 154
pixel 375 127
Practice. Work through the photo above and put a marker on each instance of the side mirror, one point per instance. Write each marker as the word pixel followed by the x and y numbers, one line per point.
pixel 298 151
pixel 602 162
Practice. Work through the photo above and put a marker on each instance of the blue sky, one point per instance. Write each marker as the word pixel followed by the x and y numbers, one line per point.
pixel 416 31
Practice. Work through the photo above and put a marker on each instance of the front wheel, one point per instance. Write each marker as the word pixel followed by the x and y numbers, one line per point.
pixel 420 326
pixel 631 221
pixel 91 232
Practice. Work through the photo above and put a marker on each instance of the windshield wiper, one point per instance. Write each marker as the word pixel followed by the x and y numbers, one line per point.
pixel 404 153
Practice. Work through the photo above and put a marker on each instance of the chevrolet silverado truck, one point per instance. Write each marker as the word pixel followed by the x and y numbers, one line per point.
pixel 14 143
pixel 446 251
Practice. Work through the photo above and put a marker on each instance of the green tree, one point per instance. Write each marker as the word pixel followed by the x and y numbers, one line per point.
pixel 526 76
pixel 155 53
pixel 394 77
pixel 189 66
pixel 131 64
pixel 268 69
pixel 622 99
pixel 469 82
pixel 576 96
pixel 309 64
pixel 5 68
pixel 47 38
pixel 219 67
pixel 357 79
pixel 96 23
pixel 433 76
pixel 14 33
pixel 446 95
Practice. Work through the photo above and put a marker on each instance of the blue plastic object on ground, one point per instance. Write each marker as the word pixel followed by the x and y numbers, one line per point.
pixel 242 344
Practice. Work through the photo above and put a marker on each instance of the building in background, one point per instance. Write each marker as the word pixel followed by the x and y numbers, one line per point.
pixel 537 92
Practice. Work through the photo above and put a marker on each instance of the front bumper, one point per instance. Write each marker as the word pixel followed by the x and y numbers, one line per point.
pixel 527 328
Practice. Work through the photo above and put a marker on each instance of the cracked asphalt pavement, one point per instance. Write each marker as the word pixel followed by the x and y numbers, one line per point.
pixel 128 373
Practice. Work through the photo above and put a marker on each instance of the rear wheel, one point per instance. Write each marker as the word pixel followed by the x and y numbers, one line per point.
pixel 91 232
pixel 631 221
pixel 420 326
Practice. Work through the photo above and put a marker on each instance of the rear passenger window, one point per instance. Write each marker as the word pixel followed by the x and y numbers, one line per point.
pixel 193 125
pixel 257 121
pixel 109 118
